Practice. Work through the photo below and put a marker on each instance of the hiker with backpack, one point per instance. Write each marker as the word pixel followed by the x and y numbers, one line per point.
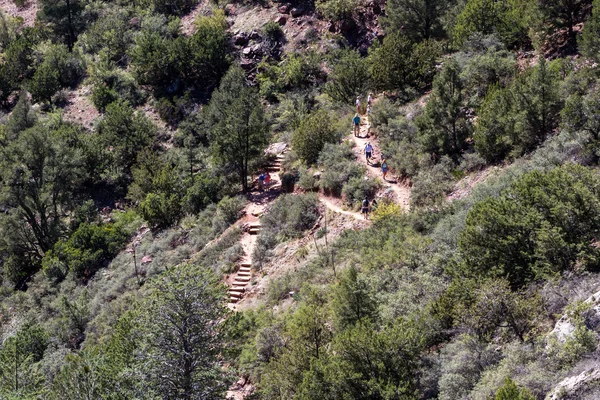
pixel 261 182
pixel 356 124
pixel 357 104
pixel 365 208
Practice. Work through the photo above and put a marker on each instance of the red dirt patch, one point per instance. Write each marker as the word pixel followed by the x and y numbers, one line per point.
pixel 27 12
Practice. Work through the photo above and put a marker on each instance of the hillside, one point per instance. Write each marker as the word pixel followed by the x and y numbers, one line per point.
pixel 328 199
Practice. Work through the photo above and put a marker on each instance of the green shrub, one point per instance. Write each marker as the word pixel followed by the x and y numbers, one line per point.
pixel 510 391
pixel 312 134
pixel 336 10
pixel 109 85
pixel 554 213
pixel 339 166
pixel 160 209
pixel 431 185
pixel 359 188
pixel 272 30
pixel 229 208
pixel 349 76
pixel 590 39
pixel 85 252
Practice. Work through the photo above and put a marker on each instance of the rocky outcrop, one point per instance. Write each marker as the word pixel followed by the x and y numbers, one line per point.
pixel 583 386
pixel 564 327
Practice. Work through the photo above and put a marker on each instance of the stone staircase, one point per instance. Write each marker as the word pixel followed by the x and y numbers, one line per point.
pixel 275 165
pixel 243 276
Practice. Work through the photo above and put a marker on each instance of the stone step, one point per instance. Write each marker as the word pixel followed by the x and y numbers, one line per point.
pixel 246 264
pixel 254 231
pixel 233 299
pixel 243 273
pixel 273 168
pixel 235 294
pixel 240 286
pixel 254 225
pixel 241 280
pixel 245 269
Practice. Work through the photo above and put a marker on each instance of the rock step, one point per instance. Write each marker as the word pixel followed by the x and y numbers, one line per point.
pixel 254 225
pixel 245 264
pixel 233 299
pixel 242 278
pixel 254 231
pixel 243 273
pixel 235 294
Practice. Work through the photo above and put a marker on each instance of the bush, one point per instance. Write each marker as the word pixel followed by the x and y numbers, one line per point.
pixel 272 30
pixel 337 10
pixel 85 252
pixel 161 209
pixel 431 185
pixel 359 188
pixel 109 85
pixel 554 213
pixel 229 208
pixel 288 218
pixel 349 76
pixel 590 39
pixel 312 134
pixel 338 165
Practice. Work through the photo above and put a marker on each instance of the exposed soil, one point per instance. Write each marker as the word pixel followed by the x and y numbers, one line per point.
pixel 400 190
pixel 27 12
pixel 79 107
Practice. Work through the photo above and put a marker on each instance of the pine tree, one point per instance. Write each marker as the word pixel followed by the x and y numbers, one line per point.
pixel 590 39
pixel 238 130
pixel 418 18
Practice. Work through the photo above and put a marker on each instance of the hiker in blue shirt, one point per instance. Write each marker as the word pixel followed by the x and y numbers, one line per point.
pixel 356 124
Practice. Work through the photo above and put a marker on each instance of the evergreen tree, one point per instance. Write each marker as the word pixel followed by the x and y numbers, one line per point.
pixel 563 14
pixel 510 391
pixel 349 77
pixel 22 116
pixel 420 19
pixel 590 39
pixel 311 136
pixel 391 64
pixel 444 126
pixel 45 83
pixel 184 336
pixel 64 18
pixel 238 130
pixel 353 301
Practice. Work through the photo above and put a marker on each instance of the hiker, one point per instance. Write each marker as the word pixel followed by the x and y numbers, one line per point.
pixel 358 104
pixel 368 152
pixel 368 113
pixel 365 208
pixel 356 124
pixel 267 180
pixel 261 182
pixel 384 168
pixel 370 99
pixel 374 205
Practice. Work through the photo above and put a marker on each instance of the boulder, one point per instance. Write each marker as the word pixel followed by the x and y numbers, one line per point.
pixel 283 9
pixel 296 12
pixel 254 35
pixel 564 328
pixel 247 51
pixel 281 20
pixel 241 39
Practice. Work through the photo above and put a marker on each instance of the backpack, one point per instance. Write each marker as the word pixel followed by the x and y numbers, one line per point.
pixel 365 203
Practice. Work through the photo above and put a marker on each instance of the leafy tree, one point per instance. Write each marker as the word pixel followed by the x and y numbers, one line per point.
pixel 353 300
pixel 510 391
pixel 563 14
pixel 238 131
pixel 444 126
pixel 40 172
pixel 152 59
pixel 20 376
pixel 504 18
pixel 348 78
pixel 184 336
pixel 313 133
pixel 495 126
pixel 391 64
pixel 538 102
pixel 541 225
pixel 65 17
pixel 21 118
pixel 337 10
pixel 17 63
pixel 84 252
pixel 175 7
pixel 127 133
pixel 580 114
pixel 419 18
pixel 590 39
pixel 45 83
pixel 110 36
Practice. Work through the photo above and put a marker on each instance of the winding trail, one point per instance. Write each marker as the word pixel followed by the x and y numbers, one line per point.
pixel 400 190
pixel 335 208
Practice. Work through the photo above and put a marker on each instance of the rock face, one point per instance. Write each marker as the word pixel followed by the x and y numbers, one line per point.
pixel 564 328
pixel 297 11
pixel 241 39
pixel 583 386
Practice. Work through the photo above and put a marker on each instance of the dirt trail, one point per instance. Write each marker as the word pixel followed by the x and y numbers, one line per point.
pixel 329 203
pixel 401 191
